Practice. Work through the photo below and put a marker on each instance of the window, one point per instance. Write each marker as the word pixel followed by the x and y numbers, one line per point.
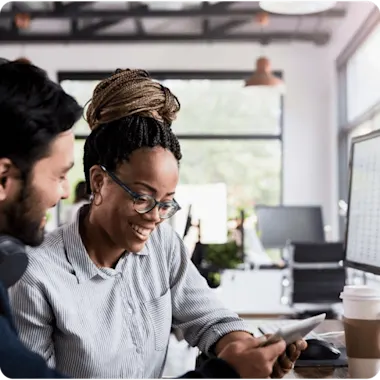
pixel 359 82
pixel 360 130
pixel 215 107
pixel 251 169
pixel 363 77
pixel 229 135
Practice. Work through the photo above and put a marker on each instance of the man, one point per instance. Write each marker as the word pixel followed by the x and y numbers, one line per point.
pixel 36 153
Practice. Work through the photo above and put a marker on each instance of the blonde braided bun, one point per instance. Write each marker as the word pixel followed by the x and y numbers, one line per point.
pixel 131 92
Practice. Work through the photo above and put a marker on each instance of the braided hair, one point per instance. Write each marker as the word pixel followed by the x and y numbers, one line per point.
pixel 128 111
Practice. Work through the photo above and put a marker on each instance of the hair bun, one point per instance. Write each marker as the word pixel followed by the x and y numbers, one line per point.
pixel 131 92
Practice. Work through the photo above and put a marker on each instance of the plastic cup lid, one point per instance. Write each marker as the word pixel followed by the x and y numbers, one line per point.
pixel 360 291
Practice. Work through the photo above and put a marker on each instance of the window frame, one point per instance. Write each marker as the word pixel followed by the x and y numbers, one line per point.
pixel 346 127
pixel 188 75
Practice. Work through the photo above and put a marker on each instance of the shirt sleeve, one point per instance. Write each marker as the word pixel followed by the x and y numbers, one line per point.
pixel 16 361
pixel 196 309
pixel 33 318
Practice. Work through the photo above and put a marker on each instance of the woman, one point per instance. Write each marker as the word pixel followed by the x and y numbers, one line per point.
pixel 101 294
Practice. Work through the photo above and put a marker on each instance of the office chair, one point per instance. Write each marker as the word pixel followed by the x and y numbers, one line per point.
pixel 316 277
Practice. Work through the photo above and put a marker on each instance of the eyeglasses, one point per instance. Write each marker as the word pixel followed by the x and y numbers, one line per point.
pixel 144 203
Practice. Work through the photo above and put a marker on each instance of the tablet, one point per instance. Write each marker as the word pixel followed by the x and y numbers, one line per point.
pixel 292 332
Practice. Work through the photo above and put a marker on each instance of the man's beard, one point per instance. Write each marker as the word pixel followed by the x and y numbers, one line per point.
pixel 23 217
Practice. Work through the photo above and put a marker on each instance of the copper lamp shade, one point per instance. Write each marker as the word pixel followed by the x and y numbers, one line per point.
pixel 263 75
pixel 22 20
pixel 23 60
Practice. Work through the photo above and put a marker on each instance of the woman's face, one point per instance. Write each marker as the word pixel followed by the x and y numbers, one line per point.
pixel 149 171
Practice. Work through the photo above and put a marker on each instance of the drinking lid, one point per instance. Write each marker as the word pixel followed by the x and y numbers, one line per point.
pixel 359 291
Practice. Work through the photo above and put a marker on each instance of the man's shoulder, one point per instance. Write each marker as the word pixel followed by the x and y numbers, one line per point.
pixel 42 258
pixel 52 244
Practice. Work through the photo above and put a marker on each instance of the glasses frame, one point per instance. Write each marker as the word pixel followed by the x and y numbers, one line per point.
pixel 135 196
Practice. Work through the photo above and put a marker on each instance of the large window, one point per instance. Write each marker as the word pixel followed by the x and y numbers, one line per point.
pixel 363 77
pixel 359 96
pixel 359 83
pixel 229 135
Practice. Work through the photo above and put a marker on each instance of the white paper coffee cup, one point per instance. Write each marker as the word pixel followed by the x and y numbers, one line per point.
pixel 361 309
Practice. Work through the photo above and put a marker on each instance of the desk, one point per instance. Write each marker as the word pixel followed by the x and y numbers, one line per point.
pixel 312 372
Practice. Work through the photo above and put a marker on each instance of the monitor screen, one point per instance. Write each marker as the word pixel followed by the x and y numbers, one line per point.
pixel 278 225
pixel 362 245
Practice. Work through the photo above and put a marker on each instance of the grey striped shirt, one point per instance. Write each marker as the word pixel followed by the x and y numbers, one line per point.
pixel 92 322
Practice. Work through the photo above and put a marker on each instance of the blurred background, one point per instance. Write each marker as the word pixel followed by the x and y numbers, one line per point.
pixel 271 95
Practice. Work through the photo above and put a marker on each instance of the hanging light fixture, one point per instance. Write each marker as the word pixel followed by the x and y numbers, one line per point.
pixel 22 20
pixel 263 75
pixel 23 60
pixel 296 7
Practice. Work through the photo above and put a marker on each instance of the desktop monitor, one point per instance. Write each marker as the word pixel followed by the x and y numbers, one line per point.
pixel 277 225
pixel 362 243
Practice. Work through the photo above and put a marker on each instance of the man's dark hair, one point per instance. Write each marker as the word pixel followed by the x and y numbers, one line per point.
pixel 33 112
pixel 128 111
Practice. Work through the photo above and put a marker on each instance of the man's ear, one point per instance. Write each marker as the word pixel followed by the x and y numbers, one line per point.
pixel 6 178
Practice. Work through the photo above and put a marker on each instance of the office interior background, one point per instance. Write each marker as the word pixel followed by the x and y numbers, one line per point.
pixel 243 146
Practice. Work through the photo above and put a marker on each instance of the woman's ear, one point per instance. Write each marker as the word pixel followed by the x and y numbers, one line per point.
pixel 96 179
pixel 6 178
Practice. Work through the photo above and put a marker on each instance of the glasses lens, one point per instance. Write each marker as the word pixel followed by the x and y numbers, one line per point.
pixel 144 203
pixel 167 210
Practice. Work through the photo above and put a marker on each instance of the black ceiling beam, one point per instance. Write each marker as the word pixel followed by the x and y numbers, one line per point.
pixel 99 25
pixel 206 8
pixel 72 7
pixel 205 21
pixel 226 26
pixel 318 38
pixel 149 13
pixel 138 23
pixel 102 24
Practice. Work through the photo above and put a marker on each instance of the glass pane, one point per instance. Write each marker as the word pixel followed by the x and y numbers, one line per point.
pixel 218 178
pixel 250 170
pixel 225 107
pixel 81 90
pixel 360 130
pixel 208 106
pixel 363 77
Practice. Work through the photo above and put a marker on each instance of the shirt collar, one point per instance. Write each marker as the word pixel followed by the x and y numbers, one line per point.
pixel 84 267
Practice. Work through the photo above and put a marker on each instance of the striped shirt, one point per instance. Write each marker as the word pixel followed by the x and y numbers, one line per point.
pixel 92 322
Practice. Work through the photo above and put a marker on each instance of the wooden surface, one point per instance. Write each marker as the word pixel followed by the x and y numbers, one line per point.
pixel 320 372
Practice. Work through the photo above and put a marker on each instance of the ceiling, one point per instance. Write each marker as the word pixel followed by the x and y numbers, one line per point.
pixel 139 22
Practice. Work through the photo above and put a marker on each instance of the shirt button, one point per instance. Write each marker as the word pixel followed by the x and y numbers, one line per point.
pixel 138 350
pixel 130 311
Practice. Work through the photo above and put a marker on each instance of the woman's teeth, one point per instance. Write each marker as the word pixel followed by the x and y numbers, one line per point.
pixel 141 230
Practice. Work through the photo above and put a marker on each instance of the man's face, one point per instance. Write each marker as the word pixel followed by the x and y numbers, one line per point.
pixel 25 206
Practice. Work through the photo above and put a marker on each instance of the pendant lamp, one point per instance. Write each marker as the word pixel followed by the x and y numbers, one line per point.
pixel 23 60
pixel 263 75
